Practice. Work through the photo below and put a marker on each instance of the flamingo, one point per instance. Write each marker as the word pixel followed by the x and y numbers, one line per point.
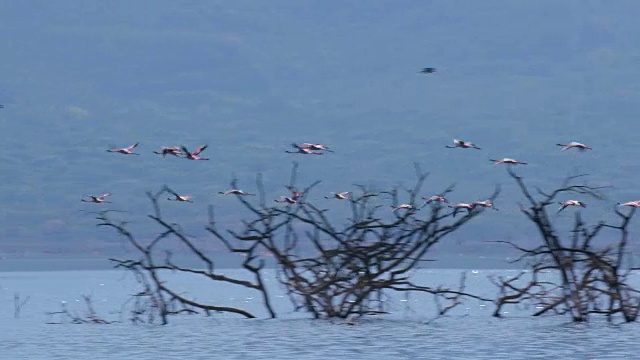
pixel 126 150
pixel 428 70
pixel 185 198
pixel 166 150
pixel 286 199
pixel 339 196
pixel 459 206
pixel 177 197
pixel 403 206
pixel 462 144
pixel 635 203
pixel 96 199
pixel 295 196
pixel 507 161
pixel 310 146
pixel 574 144
pixel 437 198
pixel 194 155
pixel 235 192
pixel 485 203
pixel 568 203
pixel 302 150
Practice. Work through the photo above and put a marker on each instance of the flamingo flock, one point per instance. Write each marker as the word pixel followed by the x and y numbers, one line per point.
pixel 308 148
pixel 319 149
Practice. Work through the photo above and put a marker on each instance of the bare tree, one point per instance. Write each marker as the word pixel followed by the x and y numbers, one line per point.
pixel 18 304
pixel 336 268
pixel 572 275
pixel 157 297
pixel 329 268
pixel 89 317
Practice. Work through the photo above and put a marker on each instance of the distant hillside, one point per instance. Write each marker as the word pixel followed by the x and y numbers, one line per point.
pixel 248 78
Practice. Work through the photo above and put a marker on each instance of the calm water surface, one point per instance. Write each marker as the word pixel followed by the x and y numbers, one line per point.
pixel 407 333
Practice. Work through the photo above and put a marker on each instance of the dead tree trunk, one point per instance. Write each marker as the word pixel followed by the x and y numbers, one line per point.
pixel 584 278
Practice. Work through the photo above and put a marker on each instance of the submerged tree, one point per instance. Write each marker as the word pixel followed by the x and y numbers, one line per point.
pixel 330 268
pixel 572 276
pixel 339 268
pixel 158 298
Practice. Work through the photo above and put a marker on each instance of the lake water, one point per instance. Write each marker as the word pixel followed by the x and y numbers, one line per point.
pixel 406 333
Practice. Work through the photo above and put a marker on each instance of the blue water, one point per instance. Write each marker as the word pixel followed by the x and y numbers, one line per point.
pixel 407 333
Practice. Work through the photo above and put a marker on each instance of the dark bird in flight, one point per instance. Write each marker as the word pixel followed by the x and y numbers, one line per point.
pixel 1 106
pixel 428 70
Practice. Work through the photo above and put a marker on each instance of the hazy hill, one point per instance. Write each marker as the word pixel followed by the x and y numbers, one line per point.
pixel 248 78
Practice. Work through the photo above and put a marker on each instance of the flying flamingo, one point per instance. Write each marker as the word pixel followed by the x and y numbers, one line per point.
pixel 459 206
pixel 126 150
pixel 485 203
pixel 177 197
pixel 235 192
pixel 428 70
pixel 568 203
pixel 462 144
pixel 96 199
pixel 339 196
pixel 403 206
pixel 194 155
pixel 507 161
pixel 635 203
pixel 302 150
pixel 437 198
pixel 295 196
pixel 185 198
pixel 574 144
pixel 310 146
pixel 166 150
pixel 286 199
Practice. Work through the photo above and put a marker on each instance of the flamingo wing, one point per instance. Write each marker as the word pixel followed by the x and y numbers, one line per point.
pixel 200 149
pixel 184 150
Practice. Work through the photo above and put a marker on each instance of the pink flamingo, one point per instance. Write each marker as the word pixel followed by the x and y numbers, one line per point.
pixel 96 199
pixel 310 146
pixel 403 206
pixel 568 203
pixel 302 150
pixel 340 196
pixel 166 150
pixel 460 206
pixel 574 144
pixel 635 203
pixel 436 198
pixel 235 192
pixel 180 198
pixel 485 203
pixel 194 155
pixel 286 199
pixel 507 161
pixel 126 150
pixel 462 144
pixel 295 196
